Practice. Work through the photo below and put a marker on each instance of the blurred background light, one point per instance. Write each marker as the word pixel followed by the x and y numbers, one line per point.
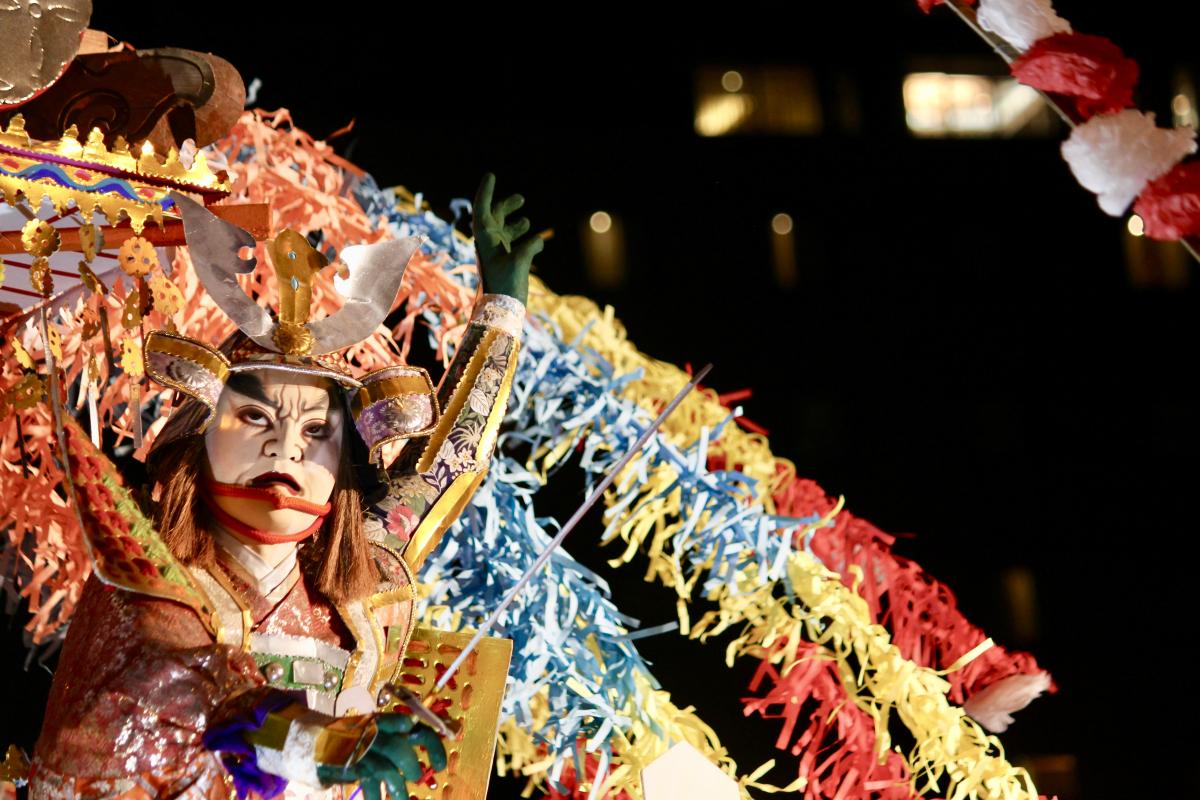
pixel 938 104
pixel 604 256
pixel 780 100
pixel 600 222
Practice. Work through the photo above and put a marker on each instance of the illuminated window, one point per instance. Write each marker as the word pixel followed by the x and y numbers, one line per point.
pixel 756 100
pixel 937 104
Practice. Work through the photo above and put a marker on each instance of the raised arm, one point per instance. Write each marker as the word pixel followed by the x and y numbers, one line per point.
pixel 435 476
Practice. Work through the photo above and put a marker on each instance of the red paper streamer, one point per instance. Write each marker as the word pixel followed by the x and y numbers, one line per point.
pixel 1170 206
pixel 1090 70
pixel 920 612
pixel 834 739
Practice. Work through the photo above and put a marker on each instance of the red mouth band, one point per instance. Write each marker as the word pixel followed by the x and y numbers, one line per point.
pixel 271 479
pixel 276 498
pixel 267 494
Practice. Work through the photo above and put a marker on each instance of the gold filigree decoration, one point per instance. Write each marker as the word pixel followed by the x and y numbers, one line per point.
pixel 40 277
pixel 80 183
pixel 131 313
pixel 167 297
pixel 293 339
pixel 27 392
pixel 91 241
pixel 137 257
pixel 22 355
pixel 91 322
pixel 54 341
pixel 40 238
pixel 146 163
pixel 131 357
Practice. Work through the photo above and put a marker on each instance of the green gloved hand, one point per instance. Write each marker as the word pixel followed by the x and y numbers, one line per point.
pixel 505 251
pixel 391 759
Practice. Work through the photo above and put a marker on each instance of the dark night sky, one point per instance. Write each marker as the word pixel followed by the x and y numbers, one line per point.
pixel 963 356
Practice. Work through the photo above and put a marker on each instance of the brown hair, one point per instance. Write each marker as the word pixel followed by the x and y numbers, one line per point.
pixel 337 559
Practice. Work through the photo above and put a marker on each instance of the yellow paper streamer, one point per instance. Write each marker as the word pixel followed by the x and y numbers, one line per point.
pixel 879 680
pixel 633 748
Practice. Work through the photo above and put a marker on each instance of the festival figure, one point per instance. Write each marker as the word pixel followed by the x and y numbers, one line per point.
pixel 249 645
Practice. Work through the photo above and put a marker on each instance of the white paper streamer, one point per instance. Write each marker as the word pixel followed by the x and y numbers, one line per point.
pixel 1115 155
pixel 1020 22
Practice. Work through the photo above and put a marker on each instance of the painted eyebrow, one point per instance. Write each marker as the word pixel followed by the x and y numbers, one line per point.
pixel 246 384
pixel 316 407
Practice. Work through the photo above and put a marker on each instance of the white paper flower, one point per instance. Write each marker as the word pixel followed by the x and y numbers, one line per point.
pixel 1115 155
pixel 1021 22
pixel 994 706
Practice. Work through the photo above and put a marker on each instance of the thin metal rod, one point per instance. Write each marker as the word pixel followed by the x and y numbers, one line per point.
pixel 666 627
pixel 410 698
pixel 1004 50
pixel 23 293
pixel 967 15
pixel 571 523
pixel 8 262
pixel 54 302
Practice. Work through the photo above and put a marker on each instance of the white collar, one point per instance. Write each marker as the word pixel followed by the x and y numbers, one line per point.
pixel 266 577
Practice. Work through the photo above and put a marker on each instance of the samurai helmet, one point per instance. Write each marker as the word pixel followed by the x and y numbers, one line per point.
pixel 392 403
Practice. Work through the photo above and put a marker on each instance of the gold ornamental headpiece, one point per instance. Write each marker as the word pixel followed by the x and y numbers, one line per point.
pixel 392 403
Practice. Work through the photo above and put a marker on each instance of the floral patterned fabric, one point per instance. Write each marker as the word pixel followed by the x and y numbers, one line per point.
pixel 473 395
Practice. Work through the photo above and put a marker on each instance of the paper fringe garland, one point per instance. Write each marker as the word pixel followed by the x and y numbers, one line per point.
pixel 722 521
pixel 687 542
pixel 694 524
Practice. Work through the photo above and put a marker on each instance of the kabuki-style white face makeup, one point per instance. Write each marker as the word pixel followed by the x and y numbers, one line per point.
pixel 280 432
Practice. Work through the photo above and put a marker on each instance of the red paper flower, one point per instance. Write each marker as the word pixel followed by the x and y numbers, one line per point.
pixel 1089 69
pixel 927 5
pixel 1170 206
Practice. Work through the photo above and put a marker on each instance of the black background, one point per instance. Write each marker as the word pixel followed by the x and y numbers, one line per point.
pixel 964 356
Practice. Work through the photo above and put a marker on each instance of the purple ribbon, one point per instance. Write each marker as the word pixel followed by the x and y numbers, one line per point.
pixel 228 738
